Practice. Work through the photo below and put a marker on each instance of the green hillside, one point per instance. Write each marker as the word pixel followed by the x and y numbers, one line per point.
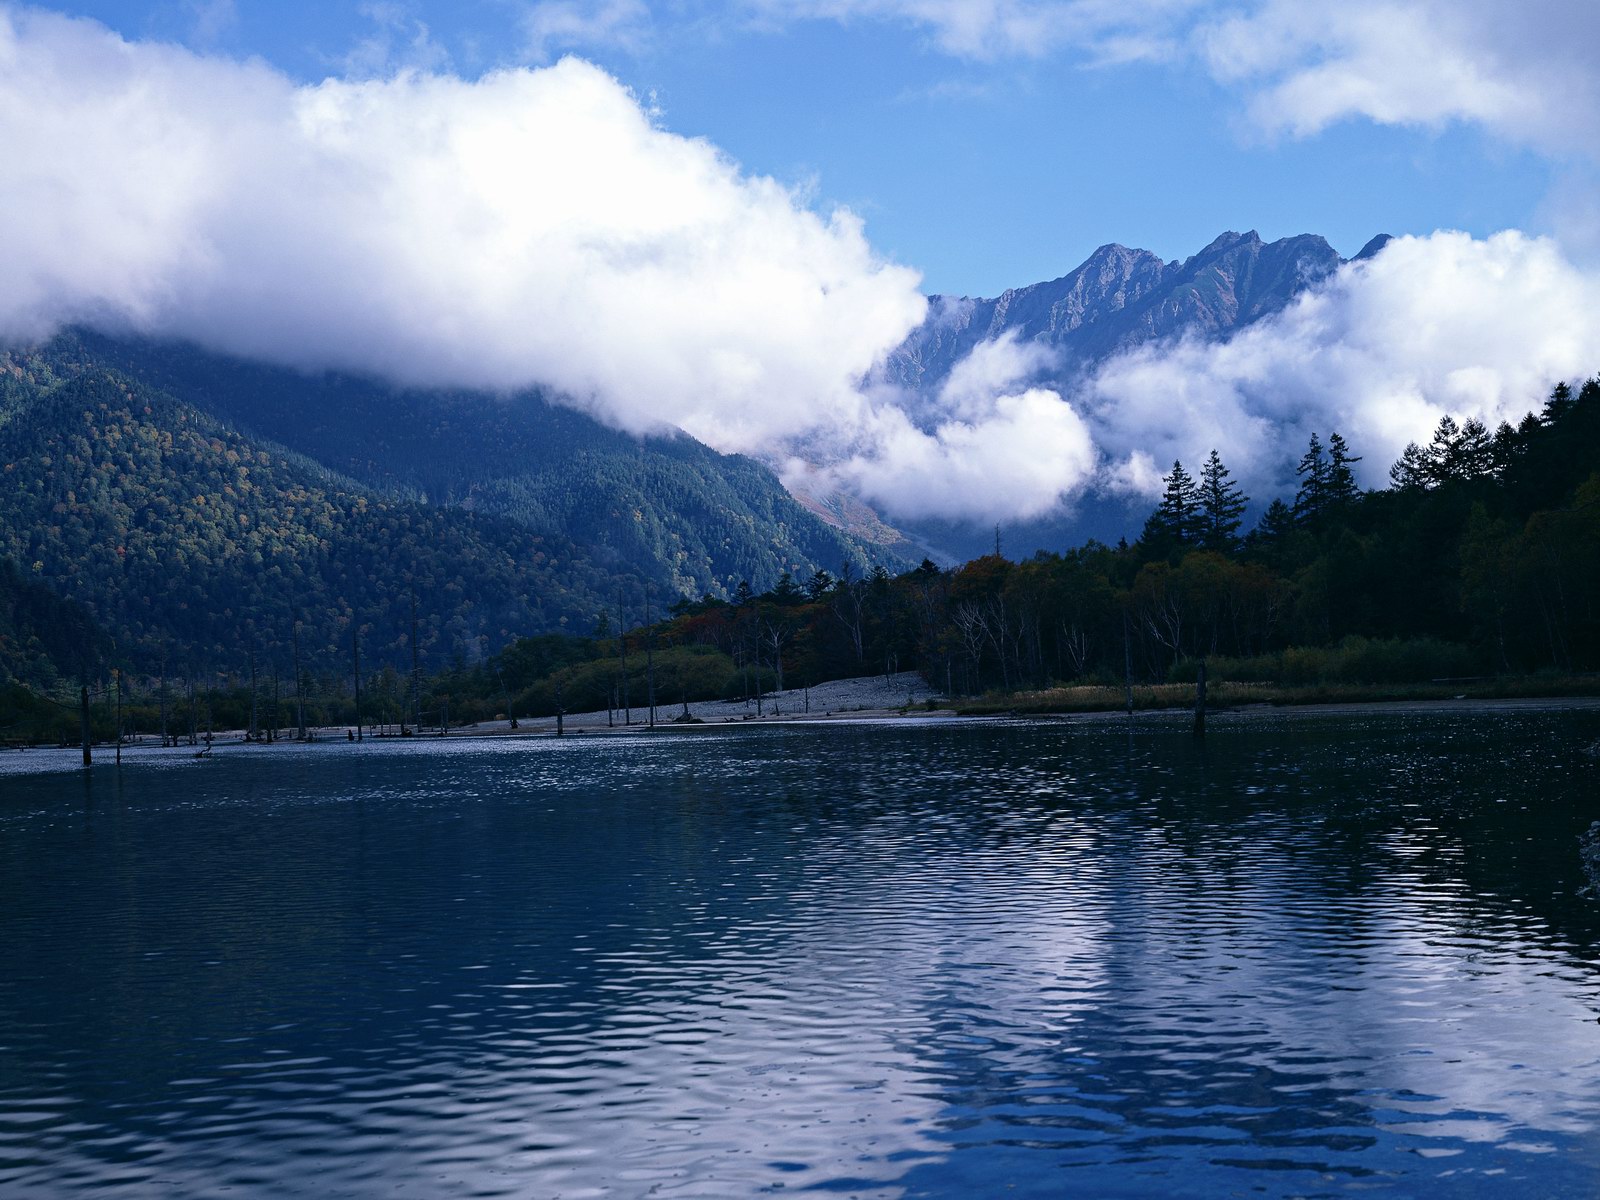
pixel 185 537
pixel 694 521
pixel 195 506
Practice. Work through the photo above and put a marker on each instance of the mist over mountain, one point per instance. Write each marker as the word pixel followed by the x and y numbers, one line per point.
pixel 1249 347
pixel 1120 297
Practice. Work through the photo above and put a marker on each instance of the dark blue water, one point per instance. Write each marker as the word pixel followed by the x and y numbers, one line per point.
pixel 1318 956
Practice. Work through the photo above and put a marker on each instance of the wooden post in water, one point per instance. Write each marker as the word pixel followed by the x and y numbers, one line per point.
pixel 118 673
pixel 355 653
pixel 622 654
pixel 83 713
pixel 561 712
pixel 1127 660
pixel 1200 701
pixel 254 693
pixel 416 672
pixel 299 692
pixel 755 645
pixel 163 699
pixel 650 657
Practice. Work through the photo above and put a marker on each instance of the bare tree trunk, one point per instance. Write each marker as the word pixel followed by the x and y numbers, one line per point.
pixel 416 672
pixel 650 658
pixel 355 653
pixel 299 686
pixel 622 651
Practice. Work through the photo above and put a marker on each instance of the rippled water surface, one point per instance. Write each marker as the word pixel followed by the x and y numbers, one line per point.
pixel 1318 956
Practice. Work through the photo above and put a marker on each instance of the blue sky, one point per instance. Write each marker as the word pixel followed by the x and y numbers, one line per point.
pixel 981 170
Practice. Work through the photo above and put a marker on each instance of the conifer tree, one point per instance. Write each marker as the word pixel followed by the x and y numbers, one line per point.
pixel 1311 501
pixel 1176 520
pixel 1222 505
pixel 1506 450
pixel 1412 472
pixel 1342 489
pixel 1559 404
pixel 1474 451
pixel 1276 523
pixel 1442 451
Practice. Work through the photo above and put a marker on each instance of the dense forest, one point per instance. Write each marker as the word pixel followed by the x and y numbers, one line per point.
pixel 1481 558
pixel 664 508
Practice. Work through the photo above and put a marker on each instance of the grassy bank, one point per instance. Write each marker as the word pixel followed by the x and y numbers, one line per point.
pixel 1222 694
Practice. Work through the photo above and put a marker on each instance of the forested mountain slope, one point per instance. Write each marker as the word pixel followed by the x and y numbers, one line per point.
pixel 187 539
pixel 669 508
pixel 44 638
pixel 195 505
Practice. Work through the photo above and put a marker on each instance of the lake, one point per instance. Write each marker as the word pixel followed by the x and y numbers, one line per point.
pixel 1320 955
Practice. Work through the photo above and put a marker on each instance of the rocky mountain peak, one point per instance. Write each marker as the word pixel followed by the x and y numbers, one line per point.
pixel 1372 247
pixel 1119 297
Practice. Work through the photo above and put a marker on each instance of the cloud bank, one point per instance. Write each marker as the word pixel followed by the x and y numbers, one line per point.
pixel 532 226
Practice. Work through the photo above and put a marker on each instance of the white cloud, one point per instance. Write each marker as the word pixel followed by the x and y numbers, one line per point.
pixel 1378 352
pixel 1520 68
pixel 1026 456
pixel 533 226
pixel 991 369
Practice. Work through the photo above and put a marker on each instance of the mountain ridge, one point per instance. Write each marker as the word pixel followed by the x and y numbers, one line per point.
pixel 1119 297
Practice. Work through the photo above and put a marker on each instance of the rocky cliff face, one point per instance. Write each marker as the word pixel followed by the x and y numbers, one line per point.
pixel 1119 298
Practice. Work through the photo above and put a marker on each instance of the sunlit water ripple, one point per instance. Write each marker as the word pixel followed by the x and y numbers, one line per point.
pixel 1314 956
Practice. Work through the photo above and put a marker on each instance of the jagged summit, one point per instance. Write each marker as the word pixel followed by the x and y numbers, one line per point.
pixel 1372 247
pixel 1118 297
pixel 1228 240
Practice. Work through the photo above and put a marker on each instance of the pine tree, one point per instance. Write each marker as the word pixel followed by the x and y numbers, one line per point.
pixel 1507 449
pixel 1276 523
pixel 1222 505
pixel 1412 472
pixel 1442 451
pixel 1180 504
pixel 1311 501
pixel 1175 522
pixel 1559 404
pixel 1342 488
pixel 1474 451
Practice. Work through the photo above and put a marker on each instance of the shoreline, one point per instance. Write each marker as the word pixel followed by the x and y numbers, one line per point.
pixel 593 725
pixel 884 699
